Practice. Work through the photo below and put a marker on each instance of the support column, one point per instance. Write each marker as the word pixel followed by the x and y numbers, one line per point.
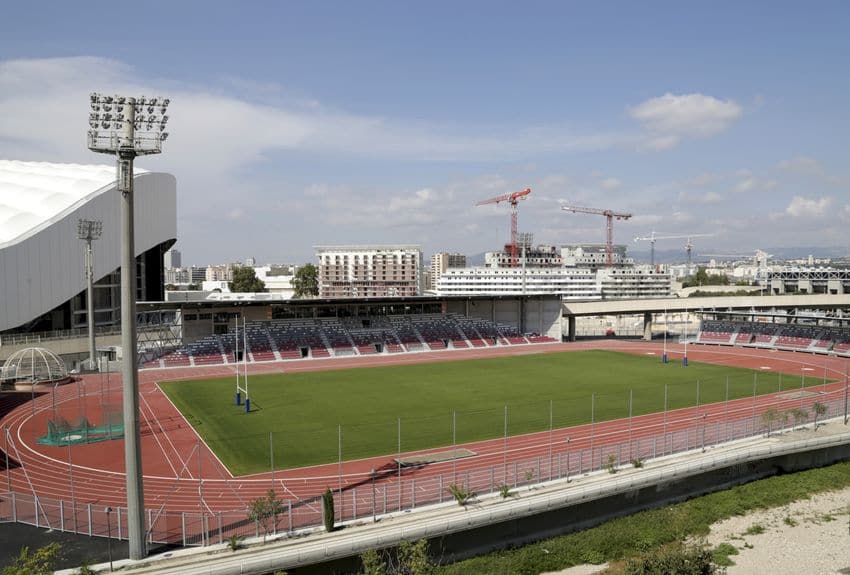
pixel 571 328
pixel 647 326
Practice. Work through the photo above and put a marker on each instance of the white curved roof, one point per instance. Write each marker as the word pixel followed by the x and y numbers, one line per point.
pixel 32 193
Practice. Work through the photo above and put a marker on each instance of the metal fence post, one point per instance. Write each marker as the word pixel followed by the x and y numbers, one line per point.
pixel 89 516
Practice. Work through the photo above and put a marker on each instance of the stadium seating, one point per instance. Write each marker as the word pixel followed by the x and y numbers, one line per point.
pixel 305 338
pixel 794 336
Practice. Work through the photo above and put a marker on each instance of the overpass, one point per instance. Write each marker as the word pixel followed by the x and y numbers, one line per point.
pixel 754 303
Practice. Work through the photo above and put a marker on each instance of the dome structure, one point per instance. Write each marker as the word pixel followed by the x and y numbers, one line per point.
pixel 33 366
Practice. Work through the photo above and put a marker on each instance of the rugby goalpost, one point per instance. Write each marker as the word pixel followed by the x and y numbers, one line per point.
pixel 242 383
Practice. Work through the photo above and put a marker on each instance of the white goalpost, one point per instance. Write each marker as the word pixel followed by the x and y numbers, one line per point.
pixel 242 382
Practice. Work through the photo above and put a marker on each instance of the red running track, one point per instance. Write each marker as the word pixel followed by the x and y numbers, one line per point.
pixel 183 475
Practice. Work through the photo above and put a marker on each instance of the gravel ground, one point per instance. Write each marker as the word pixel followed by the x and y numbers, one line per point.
pixel 807 536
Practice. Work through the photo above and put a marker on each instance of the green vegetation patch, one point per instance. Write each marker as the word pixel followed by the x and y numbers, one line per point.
pixel 630 536
pixel 308 413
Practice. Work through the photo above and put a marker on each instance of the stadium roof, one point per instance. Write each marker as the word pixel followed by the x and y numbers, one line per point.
pixel 34 193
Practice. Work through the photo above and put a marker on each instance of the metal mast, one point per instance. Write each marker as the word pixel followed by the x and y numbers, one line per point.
pixel 88 230
pixel 127 127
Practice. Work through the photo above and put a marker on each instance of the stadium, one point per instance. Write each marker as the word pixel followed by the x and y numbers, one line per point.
pixel 387 402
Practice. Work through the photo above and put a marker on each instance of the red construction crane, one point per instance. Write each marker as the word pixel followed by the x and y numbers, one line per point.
pixel 610 215
pixel 513 199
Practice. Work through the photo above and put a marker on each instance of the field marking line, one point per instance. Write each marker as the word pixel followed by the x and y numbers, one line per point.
pixel 154 434
pixel 194 431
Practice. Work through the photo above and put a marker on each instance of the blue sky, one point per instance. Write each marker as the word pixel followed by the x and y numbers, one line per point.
pixel 297 124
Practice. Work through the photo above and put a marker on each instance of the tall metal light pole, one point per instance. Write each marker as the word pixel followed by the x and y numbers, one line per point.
pixel 127 127
pixel 89 230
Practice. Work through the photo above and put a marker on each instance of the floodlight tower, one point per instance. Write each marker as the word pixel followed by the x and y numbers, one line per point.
pixel 88 231
pixel 127 127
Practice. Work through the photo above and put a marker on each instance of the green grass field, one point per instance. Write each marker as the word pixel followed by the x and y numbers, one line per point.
pixel 305 411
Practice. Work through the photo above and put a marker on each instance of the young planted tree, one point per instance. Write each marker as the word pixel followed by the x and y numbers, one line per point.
pixel 264 510
pixel 328 510
pixel 769 417
pixel 819 409
pixel 799 414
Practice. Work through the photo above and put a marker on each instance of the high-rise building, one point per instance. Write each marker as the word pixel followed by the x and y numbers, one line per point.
pixel 369 271
pixel 442 261
pixel 197 274
pixel 172 259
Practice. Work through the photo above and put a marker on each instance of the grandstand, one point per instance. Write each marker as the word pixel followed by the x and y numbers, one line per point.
pixel 788 336
pixel 274 340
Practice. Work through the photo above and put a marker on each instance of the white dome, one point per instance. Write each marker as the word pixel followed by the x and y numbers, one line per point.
pixel 33 365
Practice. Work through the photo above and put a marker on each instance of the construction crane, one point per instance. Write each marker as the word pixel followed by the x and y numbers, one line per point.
pixel 513 199
pixel 609 215
pixel 652 238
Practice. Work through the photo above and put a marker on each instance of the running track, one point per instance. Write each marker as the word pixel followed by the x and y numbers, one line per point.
pixel 174 457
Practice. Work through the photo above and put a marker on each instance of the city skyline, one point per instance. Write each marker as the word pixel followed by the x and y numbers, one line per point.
pixel 336 124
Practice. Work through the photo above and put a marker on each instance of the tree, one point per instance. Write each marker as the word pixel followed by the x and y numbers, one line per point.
pixel 306 282
pixel 328 510
pixel 39 563
pixel 799 414
pixel 819 409
pixel 770 417
pixel 264 510
pixel 170 287
pixel 245 281
pixel 702 278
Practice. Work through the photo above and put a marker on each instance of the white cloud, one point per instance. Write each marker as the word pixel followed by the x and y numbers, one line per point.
pixel 693 115
pixel 610 184
pixel 752 184
pixel 802 165
pixel 700 197
pixel 804 207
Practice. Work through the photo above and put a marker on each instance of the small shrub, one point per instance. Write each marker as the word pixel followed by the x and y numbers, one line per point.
pixel 676 558
pixel 505 491
pixel 720 554
pixel 373 563
pixel 754 529
pixel 234 542
pixel 611 464
pixel 637 462
pixel 790 521
pixel 461 494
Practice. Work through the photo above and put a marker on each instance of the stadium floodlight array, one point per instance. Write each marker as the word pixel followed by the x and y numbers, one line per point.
pixel 127 127
pixel 89 230
pixel 119 124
